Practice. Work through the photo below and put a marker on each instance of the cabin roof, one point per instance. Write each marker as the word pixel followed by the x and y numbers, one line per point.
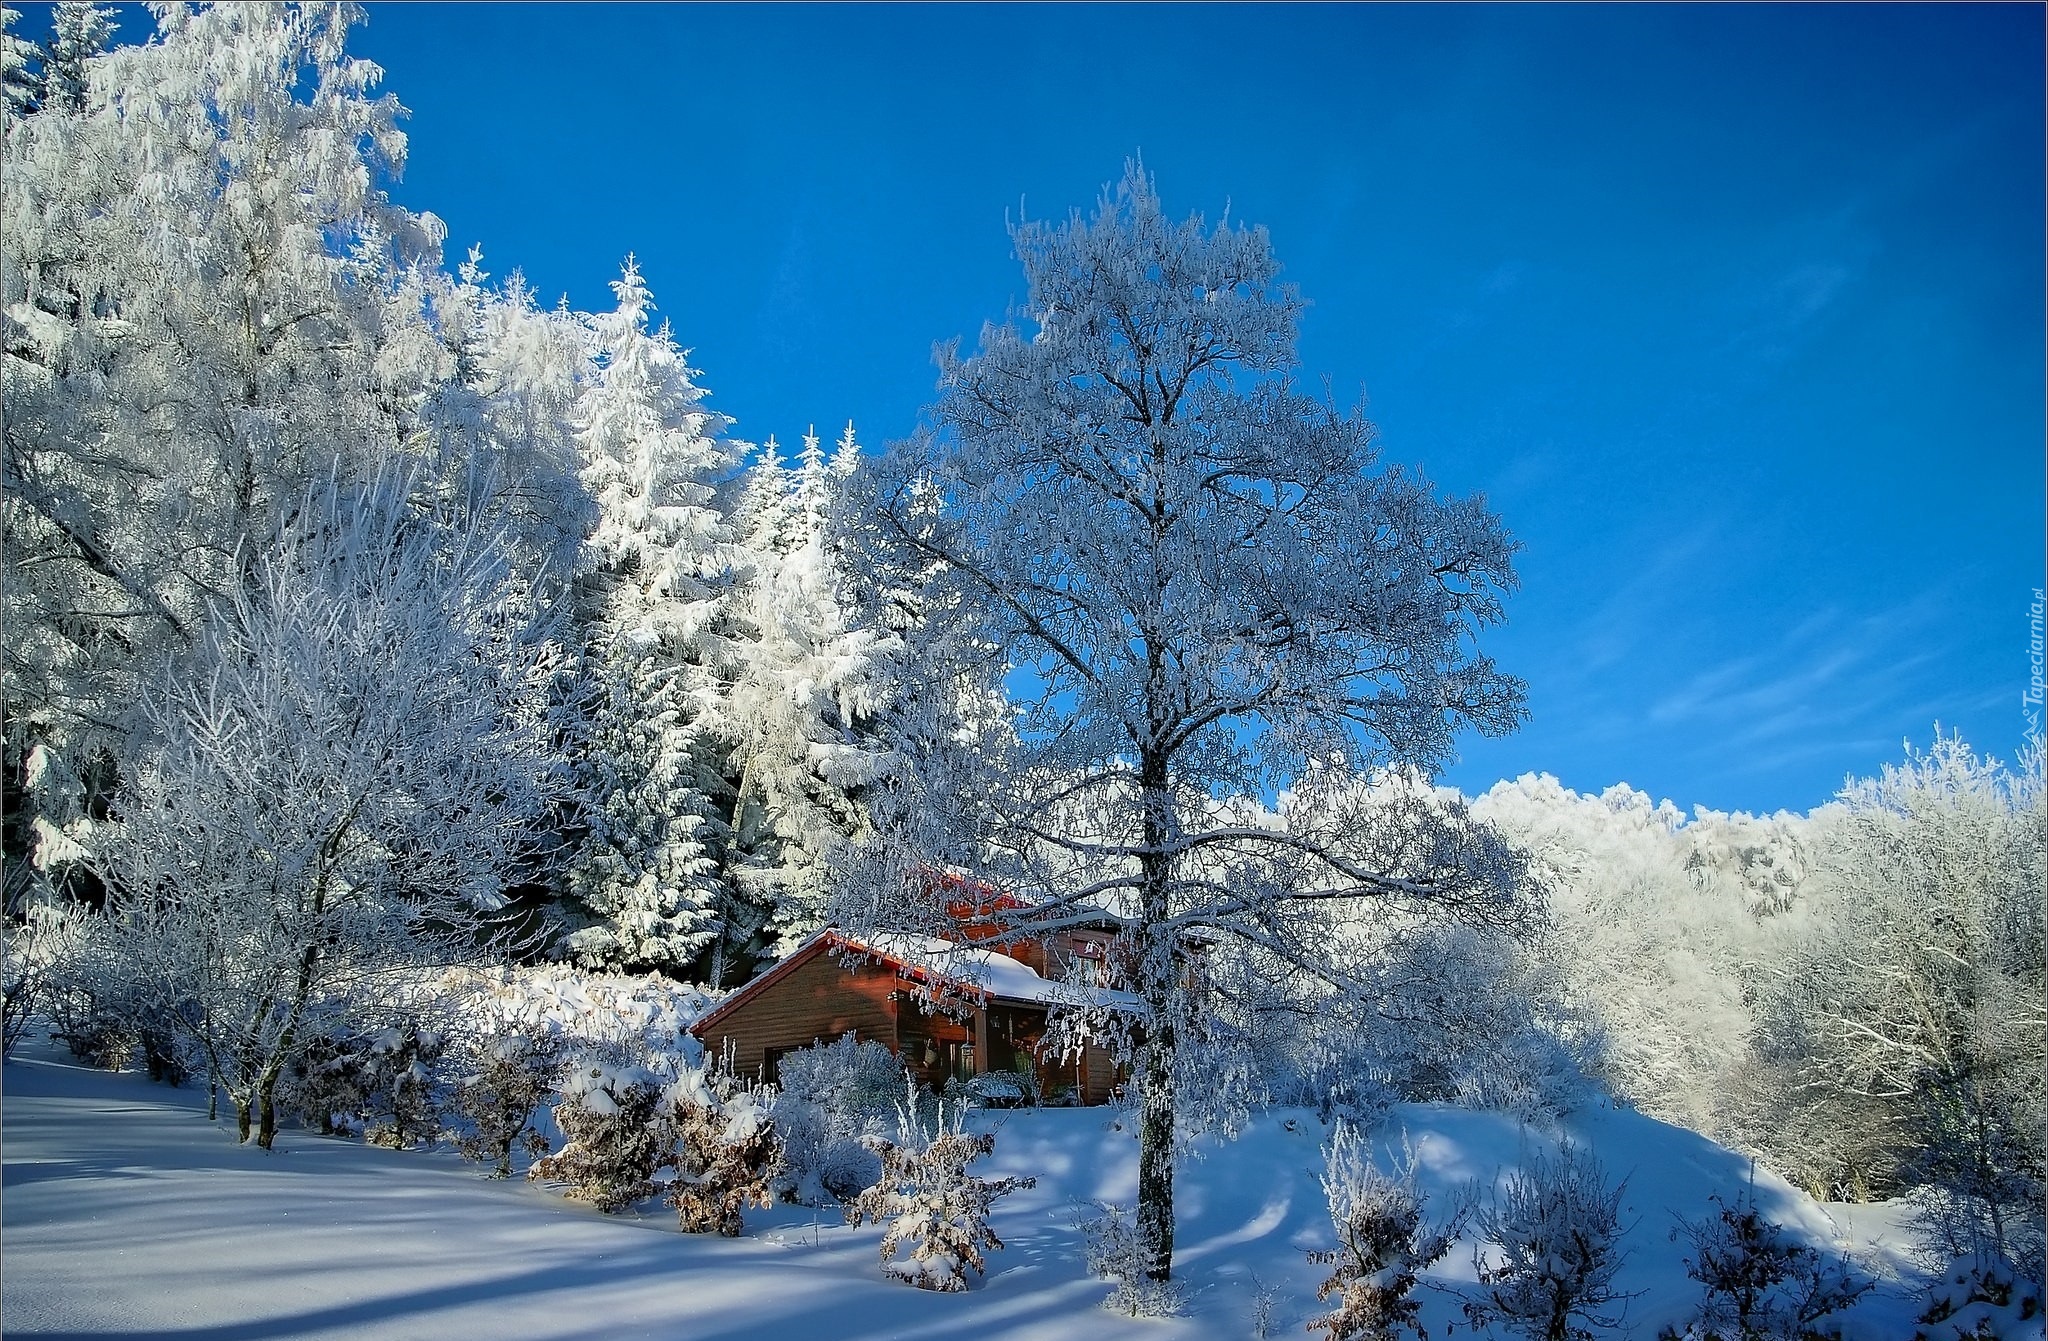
pixel 947 967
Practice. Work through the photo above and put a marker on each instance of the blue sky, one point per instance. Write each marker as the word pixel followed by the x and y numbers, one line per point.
pixel 1734 312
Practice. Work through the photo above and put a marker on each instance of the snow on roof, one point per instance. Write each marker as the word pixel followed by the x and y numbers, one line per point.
pixel 989 971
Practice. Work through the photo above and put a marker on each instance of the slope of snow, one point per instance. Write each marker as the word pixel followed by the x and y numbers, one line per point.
pixel 127 1214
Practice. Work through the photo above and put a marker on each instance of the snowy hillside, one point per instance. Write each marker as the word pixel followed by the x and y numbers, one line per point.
pixel 127 1214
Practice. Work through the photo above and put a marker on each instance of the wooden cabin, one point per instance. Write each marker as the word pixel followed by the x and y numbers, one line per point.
pixel 951 1009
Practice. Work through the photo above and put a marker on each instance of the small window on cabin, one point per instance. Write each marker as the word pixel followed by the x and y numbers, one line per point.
pixel 1088 962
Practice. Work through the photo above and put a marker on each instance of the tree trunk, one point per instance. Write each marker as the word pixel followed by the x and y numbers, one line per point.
pixel 241 1118
pixel 266 1111
pixel 1158 965
pixel 1155 1150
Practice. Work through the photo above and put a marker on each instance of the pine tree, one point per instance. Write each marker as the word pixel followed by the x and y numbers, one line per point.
pixel 643 877
pixel 80 30
pixel 20 60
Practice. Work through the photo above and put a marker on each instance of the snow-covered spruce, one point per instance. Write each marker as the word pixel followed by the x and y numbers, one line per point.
pixel 1553 1247
pixel 1383 1243
pixel 935 1211
pixel 655 576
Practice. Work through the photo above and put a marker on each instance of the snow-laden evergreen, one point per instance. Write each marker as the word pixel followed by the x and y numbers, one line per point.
pixel 644 880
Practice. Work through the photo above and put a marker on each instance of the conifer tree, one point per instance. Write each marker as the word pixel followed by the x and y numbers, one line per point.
pixel 643 879
pixel 80 30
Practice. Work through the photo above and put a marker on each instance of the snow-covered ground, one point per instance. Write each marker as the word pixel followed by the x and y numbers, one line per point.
pixel 126 1214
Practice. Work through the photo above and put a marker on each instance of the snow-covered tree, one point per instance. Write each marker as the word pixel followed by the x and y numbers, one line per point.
pixel 1914 1011
pixel 80 30
pixel 1383 1243
pixel 936 1212
pixel 1204 587
pixel 644 880
pixel 1553 1247
pixel 337 786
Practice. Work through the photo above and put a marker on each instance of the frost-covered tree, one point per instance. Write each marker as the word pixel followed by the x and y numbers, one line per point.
pixel 1205 587
pixel 1553 1247
pixel 643 879
pixel 936 1212
pixel 1384 1242
pixel 336 788
pixel 1914 1011
pixel 199 268
pixel 80 30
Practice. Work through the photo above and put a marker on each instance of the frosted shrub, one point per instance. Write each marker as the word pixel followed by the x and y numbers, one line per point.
pixel 936 1212
pixel 508 1077
pixel 381 1085
pixel 618 1127
pixel 1761 1283
pixel 1976 1301
pixel 726 1153
pixel 1383 1244
pixel 1115 1252
pixel 1555 1232
pixel 834 1097
pixel 34 942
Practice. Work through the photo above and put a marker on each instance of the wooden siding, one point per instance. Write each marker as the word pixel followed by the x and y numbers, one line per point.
pixel 815 1002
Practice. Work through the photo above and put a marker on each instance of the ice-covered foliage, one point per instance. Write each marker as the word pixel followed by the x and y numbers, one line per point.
pixel 1384 1242
pixel 1552 1245
pixel 597 1014
pixel 336 789
pixel 1760 1282
pixel 1908 1021
pixel 935 1212
pixel 833 1098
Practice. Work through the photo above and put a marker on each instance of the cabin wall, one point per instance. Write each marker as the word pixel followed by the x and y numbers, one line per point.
pixel 815 1002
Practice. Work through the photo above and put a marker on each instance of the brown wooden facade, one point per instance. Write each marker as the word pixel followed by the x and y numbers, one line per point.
pixel 818 994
